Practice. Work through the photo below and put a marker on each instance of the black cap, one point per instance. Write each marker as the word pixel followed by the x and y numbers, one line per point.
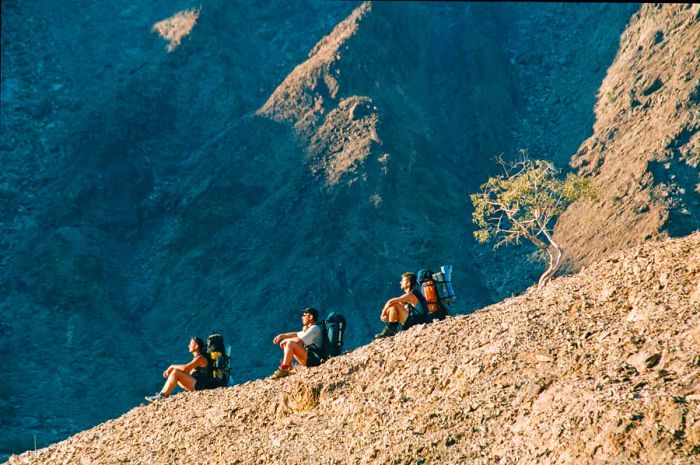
pixel 311 311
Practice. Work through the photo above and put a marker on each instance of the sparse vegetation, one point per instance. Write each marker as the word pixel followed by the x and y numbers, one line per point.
pixel 525 202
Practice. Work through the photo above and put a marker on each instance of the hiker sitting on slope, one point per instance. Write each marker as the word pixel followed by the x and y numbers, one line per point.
pixel 297 344
pixel 407 310
pixel 193 376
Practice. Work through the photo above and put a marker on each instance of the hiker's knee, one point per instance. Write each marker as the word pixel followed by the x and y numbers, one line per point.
pixel 396 312
pixel 291 346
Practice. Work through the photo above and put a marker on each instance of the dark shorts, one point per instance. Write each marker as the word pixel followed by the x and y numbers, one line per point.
pixel 312 358
pixel 413 319
pixel 201 384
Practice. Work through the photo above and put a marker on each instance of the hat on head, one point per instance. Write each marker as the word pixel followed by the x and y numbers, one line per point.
pixel 311 311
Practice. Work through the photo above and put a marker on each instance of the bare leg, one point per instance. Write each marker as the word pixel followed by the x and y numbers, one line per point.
pixel 392 315
pixel 397 313
pixel 294 349
pixel 178 377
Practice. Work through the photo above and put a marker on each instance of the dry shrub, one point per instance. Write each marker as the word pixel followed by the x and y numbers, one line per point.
pixel 176 27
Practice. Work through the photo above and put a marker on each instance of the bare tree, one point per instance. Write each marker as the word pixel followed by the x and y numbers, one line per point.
pixel 525 202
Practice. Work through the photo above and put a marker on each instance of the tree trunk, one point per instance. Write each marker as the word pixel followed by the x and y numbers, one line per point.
pixel 554 253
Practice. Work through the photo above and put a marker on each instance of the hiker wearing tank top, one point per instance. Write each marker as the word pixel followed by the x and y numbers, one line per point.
pixel 406 310
pixel 192 376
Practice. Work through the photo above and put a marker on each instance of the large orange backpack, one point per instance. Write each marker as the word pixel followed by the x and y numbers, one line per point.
pixel 430 292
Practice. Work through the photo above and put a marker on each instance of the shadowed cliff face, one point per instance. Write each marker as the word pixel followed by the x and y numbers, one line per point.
pixel 643 154
pixel 278 158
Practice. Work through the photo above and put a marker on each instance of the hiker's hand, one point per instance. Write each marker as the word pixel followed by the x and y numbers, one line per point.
pixel 166 373
pixel 276 339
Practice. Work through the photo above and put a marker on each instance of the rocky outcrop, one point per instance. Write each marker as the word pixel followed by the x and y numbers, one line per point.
pixel 353 98
pixel 600 367
pixel 643 155
pixel 306 93
pixel 339 131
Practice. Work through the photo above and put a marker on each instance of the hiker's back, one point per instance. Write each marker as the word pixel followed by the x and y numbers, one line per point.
pixel 420 309
pixel 203 375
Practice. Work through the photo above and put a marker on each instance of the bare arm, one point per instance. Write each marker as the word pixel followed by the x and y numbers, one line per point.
pixel 283 336
pixel 408 298
pixel 198 361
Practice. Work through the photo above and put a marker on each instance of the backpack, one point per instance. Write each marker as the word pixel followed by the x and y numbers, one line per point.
pixel 333 329
pixel 219 359
pixel 427 286
pixel 443 281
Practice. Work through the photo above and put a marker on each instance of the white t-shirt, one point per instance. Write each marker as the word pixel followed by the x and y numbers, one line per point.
pixel 312 336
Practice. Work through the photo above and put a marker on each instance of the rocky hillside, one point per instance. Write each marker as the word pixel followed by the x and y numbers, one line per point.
pixel 286 154
pixel 644 154
pixel 600 367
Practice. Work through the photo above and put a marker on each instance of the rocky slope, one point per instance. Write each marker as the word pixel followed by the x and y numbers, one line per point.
pixel 644 154
pixel 600 367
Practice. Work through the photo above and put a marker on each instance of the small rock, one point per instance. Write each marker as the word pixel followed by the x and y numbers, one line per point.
pixel 639 313
pixel 653 87
pixel 532 390
pixel 672 417
pixel 695 296
pixel 646 358
pixel 606 293
pixel 691 388
pixel 639 385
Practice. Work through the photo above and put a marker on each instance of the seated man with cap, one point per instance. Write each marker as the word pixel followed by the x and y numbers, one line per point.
pixel 302 345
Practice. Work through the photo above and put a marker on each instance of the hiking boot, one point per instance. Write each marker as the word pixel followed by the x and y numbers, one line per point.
pixel 280 373
pixel 386 332
pixel 155 398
